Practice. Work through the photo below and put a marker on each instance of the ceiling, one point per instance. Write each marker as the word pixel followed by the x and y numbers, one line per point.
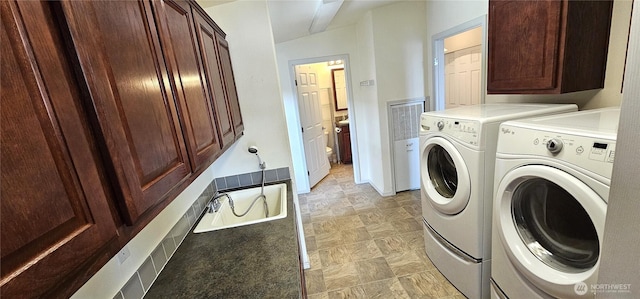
pixel 291 19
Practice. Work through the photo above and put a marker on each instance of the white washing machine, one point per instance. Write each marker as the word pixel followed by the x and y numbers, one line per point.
pixel 457 159
pixel 551 191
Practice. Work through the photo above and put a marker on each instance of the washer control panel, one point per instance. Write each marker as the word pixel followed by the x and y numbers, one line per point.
pixel 465 131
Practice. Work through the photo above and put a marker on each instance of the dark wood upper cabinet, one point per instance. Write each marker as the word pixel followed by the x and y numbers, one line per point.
pixel 230 84
pixel 109 110
pixel 547 46
pixel 197 109
pixel 212 71
pixel 133 100
pixel 55 211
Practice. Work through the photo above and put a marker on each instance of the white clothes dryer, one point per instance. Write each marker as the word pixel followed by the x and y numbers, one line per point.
pixel 551 191
pixel 457 160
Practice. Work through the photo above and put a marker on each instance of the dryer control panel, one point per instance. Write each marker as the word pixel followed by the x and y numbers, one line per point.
pixel 594 153
pixel 465 131
pixel 594 149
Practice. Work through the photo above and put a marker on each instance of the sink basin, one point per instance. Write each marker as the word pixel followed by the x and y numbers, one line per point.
pixel 343 122
pixel 224 218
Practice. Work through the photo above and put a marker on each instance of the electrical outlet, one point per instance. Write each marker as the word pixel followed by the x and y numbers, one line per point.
pixel 124 254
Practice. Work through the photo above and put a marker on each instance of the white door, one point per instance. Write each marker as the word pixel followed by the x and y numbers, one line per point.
pixel 463 77
pixel 311 121
pixel 450 82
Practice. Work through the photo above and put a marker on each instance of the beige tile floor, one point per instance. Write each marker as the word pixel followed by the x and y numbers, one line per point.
pixel 363 245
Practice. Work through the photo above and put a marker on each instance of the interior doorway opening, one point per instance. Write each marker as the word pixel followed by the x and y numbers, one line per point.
pixel 324 105
pixel 459 65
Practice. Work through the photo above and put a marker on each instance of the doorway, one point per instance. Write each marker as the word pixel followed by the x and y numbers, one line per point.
pixel 323 96
pixel 460 65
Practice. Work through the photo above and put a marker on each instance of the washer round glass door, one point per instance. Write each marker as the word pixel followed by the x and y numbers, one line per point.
pixel 445 177
pixel 551 226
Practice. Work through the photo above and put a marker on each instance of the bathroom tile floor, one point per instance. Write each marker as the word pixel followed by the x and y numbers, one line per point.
pixel 363 245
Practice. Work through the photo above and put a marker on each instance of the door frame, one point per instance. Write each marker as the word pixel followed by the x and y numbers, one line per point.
pixel 298 141
pixel 438 62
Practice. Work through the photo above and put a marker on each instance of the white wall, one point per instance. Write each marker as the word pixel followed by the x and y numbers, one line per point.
pixel 368 129
pixel 399 37
pixel 248 29
pixel 443 15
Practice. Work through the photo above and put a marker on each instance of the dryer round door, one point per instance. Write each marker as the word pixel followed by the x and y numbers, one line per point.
pixel 444 175
pixel 551 225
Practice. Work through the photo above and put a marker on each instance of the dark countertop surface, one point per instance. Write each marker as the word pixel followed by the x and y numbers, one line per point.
pixel 254 261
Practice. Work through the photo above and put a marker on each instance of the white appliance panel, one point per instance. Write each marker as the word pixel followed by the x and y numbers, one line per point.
pixel 575 152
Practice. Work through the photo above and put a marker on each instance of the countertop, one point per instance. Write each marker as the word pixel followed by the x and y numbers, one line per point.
pixel 343 123
pixel 253 261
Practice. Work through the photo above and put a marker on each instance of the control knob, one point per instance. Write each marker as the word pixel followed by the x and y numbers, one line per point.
pixel 440 125
pixel 554 145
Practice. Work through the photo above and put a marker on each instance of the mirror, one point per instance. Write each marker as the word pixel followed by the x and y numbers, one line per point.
pixel 339 89
pixel 459 72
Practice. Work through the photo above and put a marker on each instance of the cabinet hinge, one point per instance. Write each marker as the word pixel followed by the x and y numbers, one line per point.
pixel 302 129
pixel 435 61
pixel 308 173
pixel 296 82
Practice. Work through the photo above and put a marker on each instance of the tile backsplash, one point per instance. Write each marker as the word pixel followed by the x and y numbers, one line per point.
pixel 141 281
pixel 253 178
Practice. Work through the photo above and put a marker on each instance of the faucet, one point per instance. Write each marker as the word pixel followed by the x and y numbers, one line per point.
pixel 214 205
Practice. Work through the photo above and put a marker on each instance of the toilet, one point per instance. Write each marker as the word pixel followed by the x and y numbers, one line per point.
pixel 327 149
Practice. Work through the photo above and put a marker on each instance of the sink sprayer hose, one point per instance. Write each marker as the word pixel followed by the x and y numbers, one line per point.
pixel 264 201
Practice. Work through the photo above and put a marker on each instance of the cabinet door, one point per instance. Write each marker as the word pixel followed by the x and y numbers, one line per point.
pixel 180 45
pixel 523 45
pixel 213 73
pixel 122 60
pixel 230 84
pixel 345 145
pixel 55 213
